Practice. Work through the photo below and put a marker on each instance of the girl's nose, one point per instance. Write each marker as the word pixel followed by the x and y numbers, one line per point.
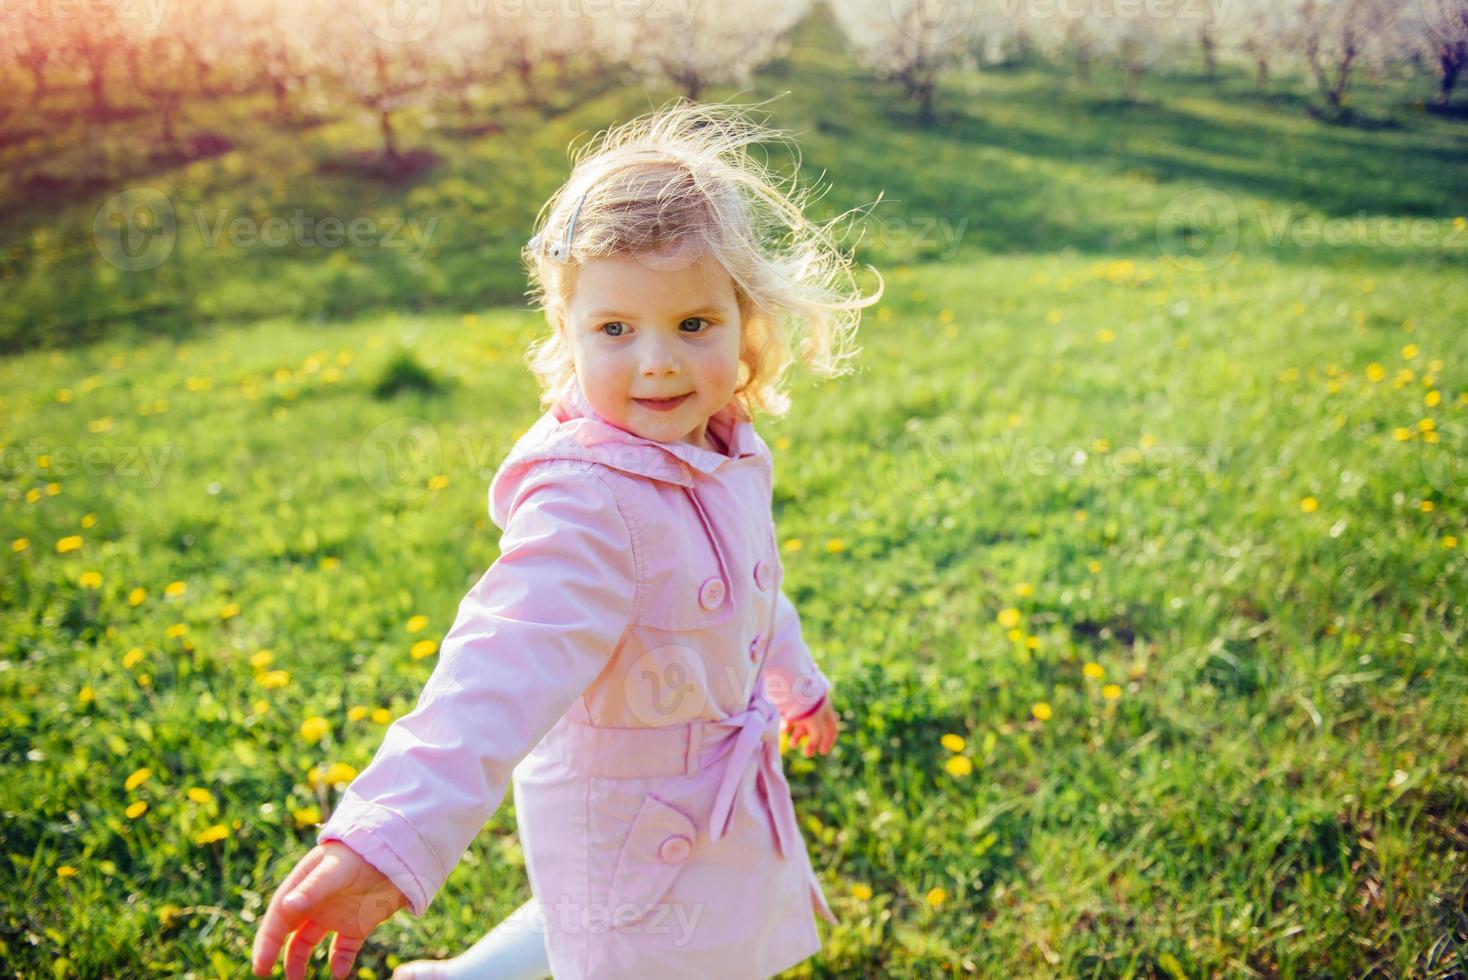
pixel 657 360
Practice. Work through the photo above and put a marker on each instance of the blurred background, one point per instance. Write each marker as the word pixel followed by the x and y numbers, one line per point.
pixel 1134 548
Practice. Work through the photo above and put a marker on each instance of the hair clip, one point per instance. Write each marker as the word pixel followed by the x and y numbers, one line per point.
pixel 561 251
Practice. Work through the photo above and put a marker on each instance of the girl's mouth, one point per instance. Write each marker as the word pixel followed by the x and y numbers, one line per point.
pixel 661 404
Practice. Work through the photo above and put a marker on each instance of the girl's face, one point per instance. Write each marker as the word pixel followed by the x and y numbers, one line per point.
pixel 642 329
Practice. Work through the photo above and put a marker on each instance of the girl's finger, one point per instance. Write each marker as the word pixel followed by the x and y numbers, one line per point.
pixel 279 922
pixel 299 948
pixel 344 950
pixel 314 887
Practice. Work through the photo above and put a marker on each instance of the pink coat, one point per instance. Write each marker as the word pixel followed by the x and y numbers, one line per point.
pixel 624 659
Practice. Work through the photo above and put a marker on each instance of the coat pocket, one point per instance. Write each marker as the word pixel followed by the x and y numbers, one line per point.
pixel 659 845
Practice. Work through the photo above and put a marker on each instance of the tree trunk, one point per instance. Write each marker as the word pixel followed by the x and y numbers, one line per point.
pixel 1261 75
pixel 1451 59
pixel 1083 66
pixel 1133 81
pixel 1210 55
pixel 96 83
pixel 389 138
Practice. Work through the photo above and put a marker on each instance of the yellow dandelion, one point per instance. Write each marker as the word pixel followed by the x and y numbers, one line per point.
pixel 91 580
pixel 307 816
pixel 1409 352
pixel 1024 589
pixel 88 520
pixel 261 659
pixel 1309 505
pixel 32 495
pixel 1427 506
pixel 340 772
pixel 424 648
pixel 438 482
pixel 315 728
pixel 1009 618
pixel 137 778
pixel 131 658
pixel 952 742
pixel 330 562
pixel 65 871
pixel 862 893
pixel 199 794
pixel 1432 398
pixel 381 716
pixel 834 545
pixel 1106 336
pixel 175 589
pixel 136 809
pixel 176 630
pixel 1111 692
pixel 1450 541
pixel 417 624
pixel 215 833
pixel 272 679
pixel 86 695
pixel 936 897
pixel 52 489
pixel 1427 425
pixel 1040 710
pixel 260 707
pixel 19 544
pixel 1015 635
pixel 137 596
pixel 356 712
pixel 1093 670
pixel 958 765
pixel 230 610
pixel 1032 642
pixel 793 544
pixel 1094 566
pixel 69 543
pixel 1401 434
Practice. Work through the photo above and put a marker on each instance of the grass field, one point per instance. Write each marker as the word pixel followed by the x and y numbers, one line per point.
pixel 1136 551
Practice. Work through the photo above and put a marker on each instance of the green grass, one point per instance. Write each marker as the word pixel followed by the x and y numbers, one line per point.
pixel 1280 785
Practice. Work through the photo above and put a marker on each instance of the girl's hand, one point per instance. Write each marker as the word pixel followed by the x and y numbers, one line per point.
pixel 331 889
pixel 816 730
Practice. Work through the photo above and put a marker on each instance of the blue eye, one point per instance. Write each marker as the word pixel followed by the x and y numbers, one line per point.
pixel 694 319
pixel 613 323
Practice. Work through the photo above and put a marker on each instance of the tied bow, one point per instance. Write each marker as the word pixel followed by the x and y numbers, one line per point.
pixel 757 740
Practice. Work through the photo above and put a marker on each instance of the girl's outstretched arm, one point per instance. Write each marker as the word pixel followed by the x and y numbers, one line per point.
pixel 528 639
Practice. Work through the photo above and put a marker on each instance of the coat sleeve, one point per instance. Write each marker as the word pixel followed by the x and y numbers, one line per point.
pixel 528 639
pixel 793 682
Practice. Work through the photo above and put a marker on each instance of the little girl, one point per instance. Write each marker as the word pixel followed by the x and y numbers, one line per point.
pixel 630 659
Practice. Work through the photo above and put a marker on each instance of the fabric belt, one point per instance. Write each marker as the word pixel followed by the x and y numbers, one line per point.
pixel 751 736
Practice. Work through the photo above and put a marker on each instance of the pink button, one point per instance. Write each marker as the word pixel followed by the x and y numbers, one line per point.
pixel 763 575
pixel 675 849
pixel 754 646
pixel 711 595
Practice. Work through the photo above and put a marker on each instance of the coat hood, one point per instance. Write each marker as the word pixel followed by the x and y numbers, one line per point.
pixel 572 429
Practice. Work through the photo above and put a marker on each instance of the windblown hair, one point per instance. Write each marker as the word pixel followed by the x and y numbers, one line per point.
pixel 678 183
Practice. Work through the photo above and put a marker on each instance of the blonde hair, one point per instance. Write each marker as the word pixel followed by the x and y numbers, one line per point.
pixel 681 181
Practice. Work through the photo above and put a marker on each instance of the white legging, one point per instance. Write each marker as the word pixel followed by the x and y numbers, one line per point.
pixel 512 950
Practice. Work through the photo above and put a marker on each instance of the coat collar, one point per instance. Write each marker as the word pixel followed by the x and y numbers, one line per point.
pixel 572 429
